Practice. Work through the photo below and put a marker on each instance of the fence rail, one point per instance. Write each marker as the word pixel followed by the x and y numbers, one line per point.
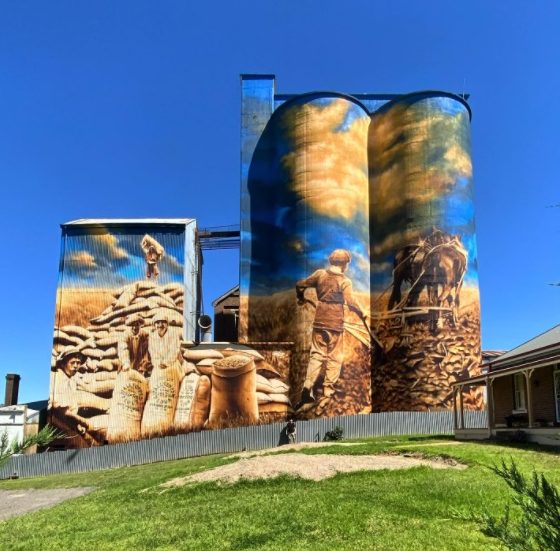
pixel 232 440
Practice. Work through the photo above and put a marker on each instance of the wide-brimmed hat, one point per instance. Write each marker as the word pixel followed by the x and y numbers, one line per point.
pixel 67 353
pixel 135 318
pixel 160 316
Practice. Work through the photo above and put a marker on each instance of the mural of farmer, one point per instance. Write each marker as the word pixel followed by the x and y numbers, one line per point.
pixel 153 252
pixel 334 292
pixel 133 349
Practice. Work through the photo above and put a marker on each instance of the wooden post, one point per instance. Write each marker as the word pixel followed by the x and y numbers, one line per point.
pixel 461 406
pixel 490 404
pixel 455 408
pixel 528 374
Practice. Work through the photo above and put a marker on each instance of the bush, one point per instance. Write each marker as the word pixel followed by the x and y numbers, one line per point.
pixel 44 437
pixel 538 527
pixel 334 434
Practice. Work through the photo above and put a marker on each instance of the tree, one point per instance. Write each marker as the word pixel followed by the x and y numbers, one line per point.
pixel 44 437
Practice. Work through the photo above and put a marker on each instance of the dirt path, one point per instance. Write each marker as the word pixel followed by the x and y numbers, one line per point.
pixel 14 503
pixel 310 467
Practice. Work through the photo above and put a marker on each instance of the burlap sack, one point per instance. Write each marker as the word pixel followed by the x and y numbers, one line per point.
pixel 77 331
pixel 171 288
pixel 205 369
pixel 126 296
pixel 275 386
pixel 193 404
pixel 127 405
pixel 273 407
pixel 107 342
pixel 195 355
pixel 162 400
pixel 234 392
pixel 60 337
pixel 93 353
pixel 243 351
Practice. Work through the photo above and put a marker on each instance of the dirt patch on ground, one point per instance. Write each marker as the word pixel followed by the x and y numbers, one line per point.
pixel 292 447
pixel 14 503
pixel 310 467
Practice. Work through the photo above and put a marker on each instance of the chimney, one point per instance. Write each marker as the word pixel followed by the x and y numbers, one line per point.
pixel 12 389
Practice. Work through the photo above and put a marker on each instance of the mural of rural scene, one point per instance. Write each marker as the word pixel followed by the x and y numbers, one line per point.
pixel 121 369
pixel 305 274
pixel 425 299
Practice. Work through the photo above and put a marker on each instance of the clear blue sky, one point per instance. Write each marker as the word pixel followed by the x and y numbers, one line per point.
pixel 131 109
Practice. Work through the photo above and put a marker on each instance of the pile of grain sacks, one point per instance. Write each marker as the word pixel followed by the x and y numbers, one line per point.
pixel 203 388
pixel 98 342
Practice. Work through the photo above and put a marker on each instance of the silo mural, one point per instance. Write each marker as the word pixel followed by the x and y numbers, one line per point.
pixel 119 324
pixel 305 274
pixel 424 281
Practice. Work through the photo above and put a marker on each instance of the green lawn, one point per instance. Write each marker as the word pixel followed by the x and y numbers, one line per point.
pixel 419 508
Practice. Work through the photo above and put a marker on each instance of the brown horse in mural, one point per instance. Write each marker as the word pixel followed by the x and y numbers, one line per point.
pixel 438 264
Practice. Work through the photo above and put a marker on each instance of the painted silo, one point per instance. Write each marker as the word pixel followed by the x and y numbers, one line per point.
pixel 424 282
pixel 305 273
pixel 127 298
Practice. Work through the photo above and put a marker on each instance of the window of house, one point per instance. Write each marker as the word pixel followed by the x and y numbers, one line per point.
pixel 519 402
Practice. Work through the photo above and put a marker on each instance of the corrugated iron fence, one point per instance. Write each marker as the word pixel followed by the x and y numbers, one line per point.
pixel 233 440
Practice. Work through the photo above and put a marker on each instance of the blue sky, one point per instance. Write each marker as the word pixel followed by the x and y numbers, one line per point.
pixel 131 109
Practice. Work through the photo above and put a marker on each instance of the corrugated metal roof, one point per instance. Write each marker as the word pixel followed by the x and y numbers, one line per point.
pixel 544 340
pixel 127 221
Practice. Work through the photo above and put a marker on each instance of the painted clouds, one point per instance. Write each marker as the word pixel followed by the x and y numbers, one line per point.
pixel 107 259
pixel 420 174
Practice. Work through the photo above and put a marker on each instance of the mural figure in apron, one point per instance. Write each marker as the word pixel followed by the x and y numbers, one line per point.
pixel 334 291
pixel 133 349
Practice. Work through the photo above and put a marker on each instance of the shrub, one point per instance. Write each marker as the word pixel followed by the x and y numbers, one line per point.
pixel 334 434
pixel 538 526
pixel 44 437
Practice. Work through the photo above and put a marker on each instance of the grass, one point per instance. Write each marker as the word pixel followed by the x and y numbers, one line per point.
pixel 415 509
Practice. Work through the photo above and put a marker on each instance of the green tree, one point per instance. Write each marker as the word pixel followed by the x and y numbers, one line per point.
pixel 44 437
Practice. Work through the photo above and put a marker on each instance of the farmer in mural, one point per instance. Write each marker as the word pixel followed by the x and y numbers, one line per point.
pixel 334 291
pixel 133 349
pixel 153 252
pixel 164 345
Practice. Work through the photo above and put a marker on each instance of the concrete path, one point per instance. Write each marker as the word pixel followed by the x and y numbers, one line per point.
pixel 14 503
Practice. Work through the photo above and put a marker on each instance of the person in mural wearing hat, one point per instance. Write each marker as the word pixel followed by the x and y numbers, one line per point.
pixel 164 344
pixel 66 388
pixel 68 395
pixel 334 292
pixel 133 349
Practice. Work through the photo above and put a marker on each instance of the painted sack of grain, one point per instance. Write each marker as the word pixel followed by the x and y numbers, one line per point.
pixel 193 403
pixel 160 407
pixel 127 405
pixel 234 392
